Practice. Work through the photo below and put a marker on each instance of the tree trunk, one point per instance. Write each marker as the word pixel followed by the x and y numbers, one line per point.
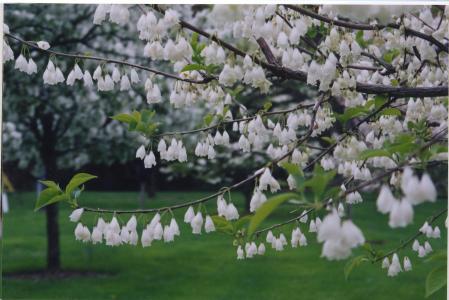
pixel 53 257
pixel 48 156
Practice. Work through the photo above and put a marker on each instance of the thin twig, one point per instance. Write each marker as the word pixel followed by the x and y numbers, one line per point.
pixel 109 60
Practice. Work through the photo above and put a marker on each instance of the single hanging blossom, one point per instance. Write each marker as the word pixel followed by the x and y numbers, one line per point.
pixel 189 215
pixel 97 236
pixel 87 79
pixel 158 232
pixel 134 76
pixel 116 75
pixel 21 63
pixel 197 223
pixel 174 227
pixel 415 245
pixel 385 263
pixel 231 212
pixel 43 45
pixel 209 224
pixel 82 233
pixel 169 235
pixel 427 247
pixel 140 153
pixel 75 216
pixel 270 237
pixel 131 225
pixel 401 214
pixel 407 264
pixel 32 67
pixel 125 85
pixel 385 200
pixel 261 249
pixel 240 253
pixel 8 54
pixel 150 160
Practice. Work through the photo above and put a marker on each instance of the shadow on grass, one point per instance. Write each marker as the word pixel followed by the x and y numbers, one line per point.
pixel 40 274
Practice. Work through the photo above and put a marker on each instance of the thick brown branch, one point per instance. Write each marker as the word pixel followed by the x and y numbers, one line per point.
pixel 359 26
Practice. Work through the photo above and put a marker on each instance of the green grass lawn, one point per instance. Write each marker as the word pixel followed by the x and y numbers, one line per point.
pixel 202 267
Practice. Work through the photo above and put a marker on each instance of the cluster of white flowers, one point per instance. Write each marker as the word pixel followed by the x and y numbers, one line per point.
pixel 53 75
pixel 206 148
pixel 267 180
pixel 21 64
pixel 213 55
pixel 196 221
pixel 277 243
pixel 298 238
pixel 153 92
pixel 176 150
pixel 117 13
pixel 226 210
pixel 251 249
pixel 394 268
pixel 415 192
pixel 258 198
pixel 338 237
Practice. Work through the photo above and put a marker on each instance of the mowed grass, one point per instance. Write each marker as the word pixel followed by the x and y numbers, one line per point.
pixel 203 267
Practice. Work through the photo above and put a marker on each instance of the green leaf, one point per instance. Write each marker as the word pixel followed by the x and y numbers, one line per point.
pixel 125 118
pixel 50 184
pixel 390 55
pixel 351 264
pixel 328 139
pixel 222 225
pixel 379 100
pixel 319 181
pixel 194 40
pixel 267 105
pixel 390 112
pixel 436 279
pixel 76 181
pixel 373 153
pixel 351 113
pixel 46 197
pixel 241 222
pixel 267 208
pixel 147 115
pixel 208 119
pixel 193 67
pixel 437 256
pixel 360 40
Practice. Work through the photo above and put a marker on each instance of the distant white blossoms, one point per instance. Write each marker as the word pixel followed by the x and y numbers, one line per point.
pixel 394 267
pixel 415 192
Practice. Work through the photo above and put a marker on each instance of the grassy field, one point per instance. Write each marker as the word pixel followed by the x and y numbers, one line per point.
pixel 201 267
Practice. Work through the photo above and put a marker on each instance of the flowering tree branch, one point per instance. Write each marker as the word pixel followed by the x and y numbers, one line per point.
pixel 359 26
pixel 287 73
pixel 109 60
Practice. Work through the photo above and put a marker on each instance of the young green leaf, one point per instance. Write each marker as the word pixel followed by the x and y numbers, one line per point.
pixel 436 280
pixel 76 181
pixel 48 196
pixel 267 208
pixel 353 263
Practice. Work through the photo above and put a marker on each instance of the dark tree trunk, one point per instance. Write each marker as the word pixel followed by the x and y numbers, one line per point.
pixel 151 184
pixel 48 156
pixel 247 191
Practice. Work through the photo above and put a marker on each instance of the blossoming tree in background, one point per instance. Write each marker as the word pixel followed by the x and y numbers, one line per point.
pixel 376 118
